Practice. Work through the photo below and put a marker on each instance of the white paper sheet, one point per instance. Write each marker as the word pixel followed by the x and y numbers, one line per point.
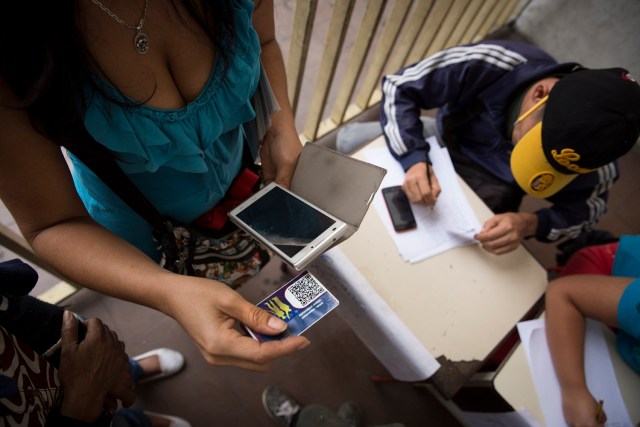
pixel 601 378
pixel 450 224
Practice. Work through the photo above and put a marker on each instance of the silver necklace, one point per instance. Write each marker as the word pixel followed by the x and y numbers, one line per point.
pixel 141 40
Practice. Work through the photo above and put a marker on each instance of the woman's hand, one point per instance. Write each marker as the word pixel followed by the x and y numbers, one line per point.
pixel 210 311
pixel 279 154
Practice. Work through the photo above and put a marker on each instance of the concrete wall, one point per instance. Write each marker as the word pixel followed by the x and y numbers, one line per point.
pixel 594 33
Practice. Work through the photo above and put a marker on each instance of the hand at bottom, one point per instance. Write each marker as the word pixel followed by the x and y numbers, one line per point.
pixel 580 408
pixel 210 312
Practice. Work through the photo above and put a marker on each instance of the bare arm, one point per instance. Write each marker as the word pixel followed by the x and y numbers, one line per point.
pixel 568 301
pixel 37 188
pixel 281 145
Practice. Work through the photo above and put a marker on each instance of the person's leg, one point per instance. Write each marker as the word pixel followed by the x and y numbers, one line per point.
pixel 134 417
pixel 130 417
pixel 352 136
pixel 430 128
pixel 319 416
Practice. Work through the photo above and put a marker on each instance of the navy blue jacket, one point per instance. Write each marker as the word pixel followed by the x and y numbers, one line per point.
pixel 472 86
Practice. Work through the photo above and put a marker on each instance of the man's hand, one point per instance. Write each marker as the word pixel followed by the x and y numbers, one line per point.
pixel 504 232
pixel 93 371
pixel 417 187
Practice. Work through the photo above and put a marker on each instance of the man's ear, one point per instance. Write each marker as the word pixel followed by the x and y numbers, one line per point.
pixel 542 88
pixel 540 91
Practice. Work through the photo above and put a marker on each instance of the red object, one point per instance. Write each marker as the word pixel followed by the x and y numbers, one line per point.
pixel 597 259
pixel 239 191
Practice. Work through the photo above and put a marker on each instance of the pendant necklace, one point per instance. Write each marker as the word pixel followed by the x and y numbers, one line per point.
pixel 141 40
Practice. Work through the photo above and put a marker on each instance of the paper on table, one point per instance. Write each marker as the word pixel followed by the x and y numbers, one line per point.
pixel 450 224
pixel 601 378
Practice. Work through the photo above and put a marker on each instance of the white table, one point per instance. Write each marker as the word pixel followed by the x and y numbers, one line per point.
pixel 458 306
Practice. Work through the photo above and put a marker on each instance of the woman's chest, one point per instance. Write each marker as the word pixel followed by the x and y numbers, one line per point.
pixel 152 52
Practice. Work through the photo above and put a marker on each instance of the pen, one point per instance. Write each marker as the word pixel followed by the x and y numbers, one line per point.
pixel 426 159
pixel 599 410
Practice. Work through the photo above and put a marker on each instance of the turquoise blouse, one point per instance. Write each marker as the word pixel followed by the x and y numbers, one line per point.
pixel 183 160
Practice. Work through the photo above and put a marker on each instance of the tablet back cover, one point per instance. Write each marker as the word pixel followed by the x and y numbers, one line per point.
pixel 336 183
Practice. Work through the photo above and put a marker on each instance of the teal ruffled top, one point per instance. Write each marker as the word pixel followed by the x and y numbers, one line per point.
pixel 183 160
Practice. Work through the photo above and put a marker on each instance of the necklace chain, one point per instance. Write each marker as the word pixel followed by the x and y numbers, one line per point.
pixel 141 40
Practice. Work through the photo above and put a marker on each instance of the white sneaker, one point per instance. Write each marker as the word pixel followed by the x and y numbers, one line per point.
pixel 171 362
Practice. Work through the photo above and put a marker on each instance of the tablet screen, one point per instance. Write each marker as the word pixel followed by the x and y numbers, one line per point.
pixel 286 221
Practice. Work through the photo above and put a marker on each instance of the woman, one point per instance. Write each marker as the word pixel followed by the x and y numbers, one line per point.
pixel 165 86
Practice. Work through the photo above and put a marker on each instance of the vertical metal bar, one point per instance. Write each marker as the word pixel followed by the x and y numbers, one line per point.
pixel 385 44
pixel 489 23
pixel 442 38
pixel 465 21
pixel 406 43
pixel 483 14
pixel 300 38
pixel 335 39
pixel 359 53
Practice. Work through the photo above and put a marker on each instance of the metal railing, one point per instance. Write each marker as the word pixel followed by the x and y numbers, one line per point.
pixel 365 39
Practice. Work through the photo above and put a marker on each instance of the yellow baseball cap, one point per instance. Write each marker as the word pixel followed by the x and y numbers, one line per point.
pixel 592 117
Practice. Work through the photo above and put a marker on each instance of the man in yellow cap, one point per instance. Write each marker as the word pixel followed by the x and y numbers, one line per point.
pixel 515 122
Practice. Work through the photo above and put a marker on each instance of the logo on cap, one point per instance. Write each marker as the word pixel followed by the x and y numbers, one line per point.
pixel 566 157
pixel 628 76
pixel 542 181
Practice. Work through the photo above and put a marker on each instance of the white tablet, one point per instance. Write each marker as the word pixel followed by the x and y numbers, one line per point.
pixel 293 228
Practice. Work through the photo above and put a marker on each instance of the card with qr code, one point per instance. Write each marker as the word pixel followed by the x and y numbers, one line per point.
pixel 301 303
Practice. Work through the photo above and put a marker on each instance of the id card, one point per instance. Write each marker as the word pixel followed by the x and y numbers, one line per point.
pixel 300 303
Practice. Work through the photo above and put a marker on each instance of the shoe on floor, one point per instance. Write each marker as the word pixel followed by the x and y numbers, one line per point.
pixel 175 421
pixel 280 406
pixel 171 362
pixel 351 413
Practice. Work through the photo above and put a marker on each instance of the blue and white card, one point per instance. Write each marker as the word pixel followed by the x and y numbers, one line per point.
pixel 301 302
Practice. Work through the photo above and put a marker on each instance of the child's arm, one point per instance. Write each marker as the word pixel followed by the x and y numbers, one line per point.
pixel 569 300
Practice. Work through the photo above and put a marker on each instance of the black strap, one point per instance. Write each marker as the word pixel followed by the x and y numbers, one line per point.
pixel 97 158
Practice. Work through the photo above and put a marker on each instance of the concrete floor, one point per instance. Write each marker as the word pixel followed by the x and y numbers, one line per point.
pixel 335 368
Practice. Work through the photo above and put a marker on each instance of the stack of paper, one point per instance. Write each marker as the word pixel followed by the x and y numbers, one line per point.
pixel 450 224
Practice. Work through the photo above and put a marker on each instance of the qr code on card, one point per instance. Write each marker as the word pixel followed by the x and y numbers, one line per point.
pixel 304 290
pixel 300 303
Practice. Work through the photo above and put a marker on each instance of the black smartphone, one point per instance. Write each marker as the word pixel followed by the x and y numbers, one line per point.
pixel 399 208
